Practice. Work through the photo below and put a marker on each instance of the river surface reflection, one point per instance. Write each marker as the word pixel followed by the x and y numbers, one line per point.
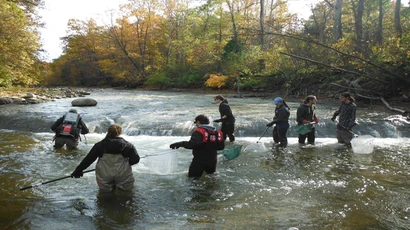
pixel 323 187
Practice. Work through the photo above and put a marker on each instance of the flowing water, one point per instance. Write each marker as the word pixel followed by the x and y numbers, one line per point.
pixel 323 187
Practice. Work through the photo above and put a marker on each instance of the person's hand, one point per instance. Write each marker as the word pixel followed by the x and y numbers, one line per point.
pixel 176 145
pixel 77 174
pixel 218 120
pixel 270 124
pixel 304 121
pixel 350 125
pixel 316 120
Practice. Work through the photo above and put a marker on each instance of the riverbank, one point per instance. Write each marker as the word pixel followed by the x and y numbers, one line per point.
pixel 23 95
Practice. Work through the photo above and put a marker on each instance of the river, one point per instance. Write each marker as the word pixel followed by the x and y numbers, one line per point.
pixel 324 187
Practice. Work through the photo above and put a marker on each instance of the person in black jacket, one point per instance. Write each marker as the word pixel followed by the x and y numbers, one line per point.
pixel 115 157
pixel 306 115
pixel 281 119
pixel 227 118
pixel 204 142
pixel 68 129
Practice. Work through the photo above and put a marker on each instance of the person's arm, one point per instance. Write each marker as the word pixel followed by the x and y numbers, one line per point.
pixel 226 111
pixel 300 115
pixel 196 140
pixel 57 124
pixel 84 129
pixel 220 144
pixel 133 156
pixel 88 160
pixel 335 114
pixel 352 118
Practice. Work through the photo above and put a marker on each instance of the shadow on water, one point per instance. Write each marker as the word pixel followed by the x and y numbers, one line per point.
pixel 118 210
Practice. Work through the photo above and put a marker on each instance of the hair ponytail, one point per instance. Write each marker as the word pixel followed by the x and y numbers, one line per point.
pixel 113 131
pixel 219 97
pixel 284 103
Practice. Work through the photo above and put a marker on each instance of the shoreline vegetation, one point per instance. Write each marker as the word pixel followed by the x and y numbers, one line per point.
pixel 35 95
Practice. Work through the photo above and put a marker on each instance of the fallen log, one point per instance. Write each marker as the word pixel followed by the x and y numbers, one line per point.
pixel 391 108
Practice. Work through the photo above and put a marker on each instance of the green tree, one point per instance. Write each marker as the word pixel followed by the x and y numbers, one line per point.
pixel 19 45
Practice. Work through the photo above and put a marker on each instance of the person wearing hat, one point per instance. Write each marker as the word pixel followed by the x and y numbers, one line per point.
pixel 205 142
pixel 68 129
pixel 347 119
pixel 227 118
pixel 281 119
pixel 115 158
pixel 306 118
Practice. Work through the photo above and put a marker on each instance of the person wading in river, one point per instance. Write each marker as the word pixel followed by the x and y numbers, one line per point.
pixel 227 118
pixel 347 119
pixel 115 157
pixel 68 129
pixel 306 115
pixel 204 142
pixel 281 119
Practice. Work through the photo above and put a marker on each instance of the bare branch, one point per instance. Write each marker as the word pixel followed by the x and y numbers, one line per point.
pixel 334 67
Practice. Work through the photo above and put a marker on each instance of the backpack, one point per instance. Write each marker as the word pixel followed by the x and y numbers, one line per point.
pixel 210 136
pixel 69 125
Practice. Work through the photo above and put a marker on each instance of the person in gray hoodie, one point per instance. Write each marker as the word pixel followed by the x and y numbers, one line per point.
pixel 205 142
pixel 115 157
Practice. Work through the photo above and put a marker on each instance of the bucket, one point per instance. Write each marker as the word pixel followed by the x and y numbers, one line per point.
pixel 363 144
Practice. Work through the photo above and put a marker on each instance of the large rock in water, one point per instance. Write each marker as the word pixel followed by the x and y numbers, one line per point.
pixel 84 102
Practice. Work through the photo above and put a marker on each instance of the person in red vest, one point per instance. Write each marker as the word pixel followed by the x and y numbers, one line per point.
pixel 68 129
pixel 205 142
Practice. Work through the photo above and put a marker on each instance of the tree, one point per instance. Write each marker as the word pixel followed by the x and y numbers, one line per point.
pixel 358 10
pixel 397 23
pixel 379 30
pixel 337 18
pixel 19 44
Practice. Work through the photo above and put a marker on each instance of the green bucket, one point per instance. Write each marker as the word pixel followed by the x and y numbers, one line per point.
pixel 232 151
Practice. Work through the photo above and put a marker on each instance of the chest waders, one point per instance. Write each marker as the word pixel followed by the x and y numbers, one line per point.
pixel 114 171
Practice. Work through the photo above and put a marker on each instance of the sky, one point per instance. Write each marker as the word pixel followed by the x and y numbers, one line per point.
pixel 56 14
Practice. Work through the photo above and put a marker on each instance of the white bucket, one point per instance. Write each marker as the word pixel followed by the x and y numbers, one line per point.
pixel 363 144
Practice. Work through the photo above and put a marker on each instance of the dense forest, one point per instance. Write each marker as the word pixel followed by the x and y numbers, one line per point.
pixel 357 45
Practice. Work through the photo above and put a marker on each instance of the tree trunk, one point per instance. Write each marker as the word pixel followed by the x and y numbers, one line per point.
pixel 379 29
pixel 337 20
pixel 234 27
pixel 262 24
pixel 358 23
pixel 397 24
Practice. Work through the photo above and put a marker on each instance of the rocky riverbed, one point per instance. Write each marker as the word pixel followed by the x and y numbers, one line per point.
pixel 38 95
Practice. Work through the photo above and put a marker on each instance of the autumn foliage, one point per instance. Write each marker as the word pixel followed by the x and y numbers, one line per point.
pixel 362 45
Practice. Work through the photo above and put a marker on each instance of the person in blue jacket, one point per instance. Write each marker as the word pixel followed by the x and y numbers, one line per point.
pixel 281 119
